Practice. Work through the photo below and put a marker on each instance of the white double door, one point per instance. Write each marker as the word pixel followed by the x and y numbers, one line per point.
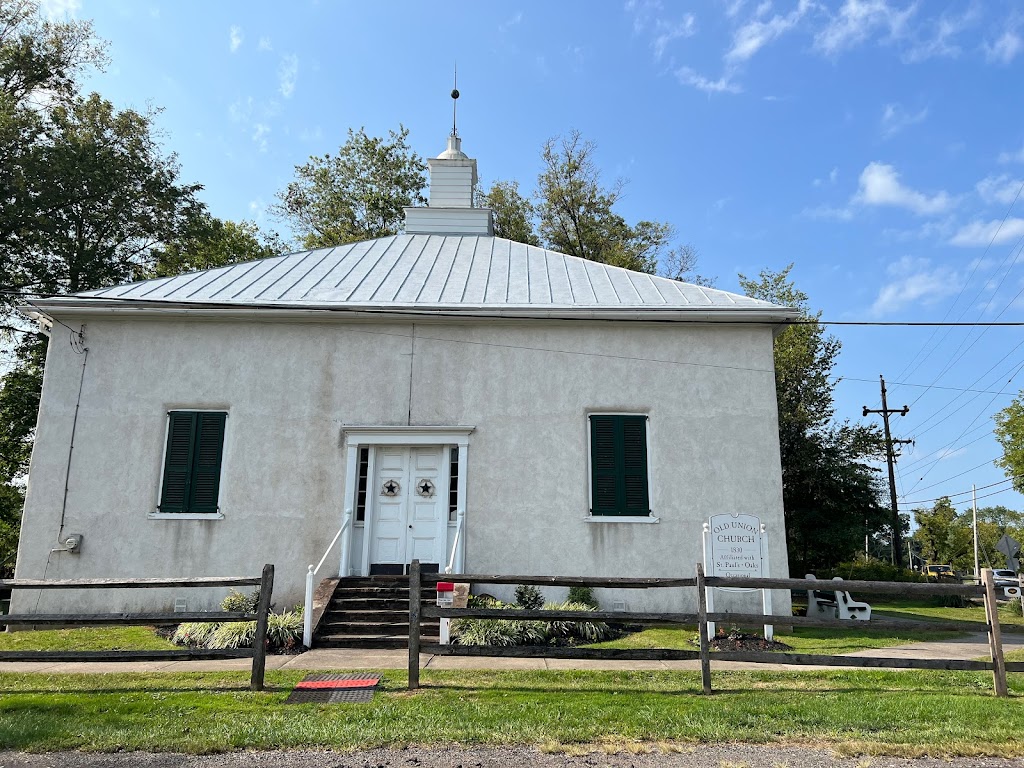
pixel 409 517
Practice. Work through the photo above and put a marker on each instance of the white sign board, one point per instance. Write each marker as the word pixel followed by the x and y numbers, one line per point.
pixel 735 546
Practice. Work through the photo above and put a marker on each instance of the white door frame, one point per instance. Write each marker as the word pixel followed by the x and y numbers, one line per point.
pixel 358 436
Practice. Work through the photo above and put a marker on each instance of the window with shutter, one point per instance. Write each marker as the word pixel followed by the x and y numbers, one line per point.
pixel 192 462
pixel 618 465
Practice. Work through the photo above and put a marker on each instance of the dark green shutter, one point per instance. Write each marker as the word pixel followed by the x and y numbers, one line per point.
pixel 209 449
pixel 618 456
pixel 634 460
pixel 602 461
pixel 178 462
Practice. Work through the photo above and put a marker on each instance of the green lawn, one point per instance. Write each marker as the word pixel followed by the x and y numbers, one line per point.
pixel 85 639
pixel 872 712
pixel 802 639
pixel 905 609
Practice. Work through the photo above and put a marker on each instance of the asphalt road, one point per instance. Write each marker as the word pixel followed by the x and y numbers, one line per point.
pixel 729 756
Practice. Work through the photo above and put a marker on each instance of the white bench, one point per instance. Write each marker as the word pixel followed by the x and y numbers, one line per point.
pixel 837 602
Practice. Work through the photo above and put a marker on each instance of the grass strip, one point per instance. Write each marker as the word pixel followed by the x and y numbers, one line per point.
pixel 871 712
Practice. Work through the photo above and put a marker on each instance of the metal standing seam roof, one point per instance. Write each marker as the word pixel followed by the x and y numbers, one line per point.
pixel 450 273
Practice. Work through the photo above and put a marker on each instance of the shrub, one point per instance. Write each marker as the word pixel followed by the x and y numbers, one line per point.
pixel 508 632
pixel 872 570
pixel 1014 608
pixel 193 633
pixel 233 634
pixel 529 598
pixel 583 596
pixel 582 631
pixel 242 603
pixel 284 630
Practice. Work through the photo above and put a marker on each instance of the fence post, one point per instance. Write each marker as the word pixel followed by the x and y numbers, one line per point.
pixel 995 638
pixel 259 643
pixel 415 603
pixel 702 631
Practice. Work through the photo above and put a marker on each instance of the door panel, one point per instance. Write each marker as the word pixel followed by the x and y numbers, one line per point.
pixel 409 515
pixel 389 489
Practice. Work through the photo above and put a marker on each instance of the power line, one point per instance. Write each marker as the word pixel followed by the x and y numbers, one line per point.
pixel 985 496
pixel 958 474
pixel 929 386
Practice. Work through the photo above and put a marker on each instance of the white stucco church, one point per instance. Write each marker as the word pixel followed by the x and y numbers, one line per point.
pixel 478 404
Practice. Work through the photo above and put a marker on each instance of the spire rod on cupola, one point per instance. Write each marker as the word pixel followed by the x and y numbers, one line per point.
pixel 451 209
pixel 455 101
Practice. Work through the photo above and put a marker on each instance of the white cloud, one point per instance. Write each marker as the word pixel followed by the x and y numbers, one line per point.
pixel 857 20
pixel 979 234
pixel 895 118
pixel 259 136
pixel 265 44
pixel 724 84
pixel 831 179
pixel 999 189
pixel 880 185
pixel 1005 49
pixel 667 31
pixel 733 8
pixel 235 38
pixel 1012 157
pixel 949 453
pixel 942 43
pixel 756 34
pixel 914 280
pixel 53 9
pixel 288 74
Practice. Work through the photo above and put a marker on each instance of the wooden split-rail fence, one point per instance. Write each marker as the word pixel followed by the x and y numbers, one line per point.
pixel 258 652
pixel 985 590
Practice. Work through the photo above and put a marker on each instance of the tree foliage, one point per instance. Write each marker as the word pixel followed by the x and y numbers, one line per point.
pixel 513 214
pixel 208 242
pixel 575 210
pixel 831 491
pixel 944 536
pixel 358 194
pixel 1009 431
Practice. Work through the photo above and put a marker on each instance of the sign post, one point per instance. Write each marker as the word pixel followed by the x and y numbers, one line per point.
pixel 737 546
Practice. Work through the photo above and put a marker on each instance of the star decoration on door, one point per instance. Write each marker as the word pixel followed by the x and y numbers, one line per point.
pixel 391 488
pixel 425 488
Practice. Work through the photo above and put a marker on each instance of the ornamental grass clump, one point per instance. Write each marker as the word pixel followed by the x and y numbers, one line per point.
pixel 284 630
pixel 509 632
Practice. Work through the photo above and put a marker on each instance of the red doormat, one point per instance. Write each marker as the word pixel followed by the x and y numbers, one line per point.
pixel 334 689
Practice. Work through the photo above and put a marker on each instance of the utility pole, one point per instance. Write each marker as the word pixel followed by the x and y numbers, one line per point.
pixel 974 505
pixel 897 538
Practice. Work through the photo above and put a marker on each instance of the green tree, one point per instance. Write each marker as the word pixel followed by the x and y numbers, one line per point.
pixel 1009 431
pixel 831 491
pixel 576 215
pixel 513 214
pixel 40 61
pixel 209 242
pixel 944 535
pixel 19 403
pixel 358 194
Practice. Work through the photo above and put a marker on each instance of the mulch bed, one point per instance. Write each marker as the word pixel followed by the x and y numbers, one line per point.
pixel 743 641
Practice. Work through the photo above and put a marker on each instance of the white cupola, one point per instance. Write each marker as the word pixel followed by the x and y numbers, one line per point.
pixel 451 209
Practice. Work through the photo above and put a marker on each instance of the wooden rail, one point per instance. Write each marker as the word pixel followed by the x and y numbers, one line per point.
pixel 986 590
pixel 258 653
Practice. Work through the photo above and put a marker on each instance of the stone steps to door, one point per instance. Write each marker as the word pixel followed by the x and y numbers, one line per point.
pixel 372 612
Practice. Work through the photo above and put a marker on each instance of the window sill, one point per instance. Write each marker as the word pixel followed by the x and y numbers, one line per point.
pixel 185 516
pixel 621 519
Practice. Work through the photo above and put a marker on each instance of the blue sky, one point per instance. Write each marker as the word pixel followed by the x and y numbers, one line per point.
pixel 878 144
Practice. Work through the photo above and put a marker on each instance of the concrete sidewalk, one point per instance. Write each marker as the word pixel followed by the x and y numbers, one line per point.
pixel 968 647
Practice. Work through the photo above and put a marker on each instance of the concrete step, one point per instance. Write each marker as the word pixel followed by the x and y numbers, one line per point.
pixel 350 628
pixel 367 641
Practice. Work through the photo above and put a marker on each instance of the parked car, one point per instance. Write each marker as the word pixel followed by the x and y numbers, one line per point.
pixel 939 572
pixel 1003 577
